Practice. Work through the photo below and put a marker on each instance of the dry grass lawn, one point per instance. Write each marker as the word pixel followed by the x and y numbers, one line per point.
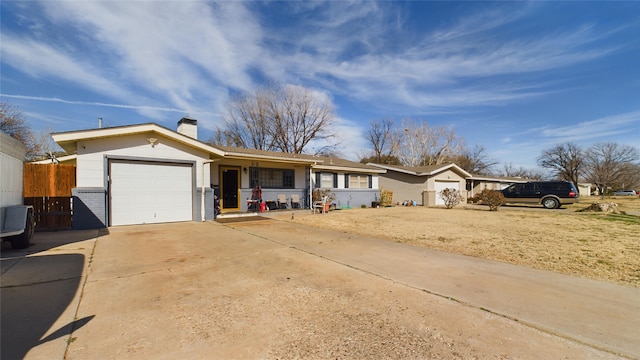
pixel 597 246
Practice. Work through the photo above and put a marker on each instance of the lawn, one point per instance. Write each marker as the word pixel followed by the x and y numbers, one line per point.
pixel 597 246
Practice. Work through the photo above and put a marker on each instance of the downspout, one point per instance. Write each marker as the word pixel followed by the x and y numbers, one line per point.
pixel 311 185
pixel 202 207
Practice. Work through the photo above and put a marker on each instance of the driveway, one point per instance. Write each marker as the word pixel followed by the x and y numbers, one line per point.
pixel 273 289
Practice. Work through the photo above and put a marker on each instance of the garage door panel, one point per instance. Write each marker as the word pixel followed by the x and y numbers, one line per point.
pixel 441 185
pixel 144 193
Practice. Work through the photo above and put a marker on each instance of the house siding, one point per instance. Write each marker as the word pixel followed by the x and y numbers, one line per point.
pixel 91 162
pixel 404 186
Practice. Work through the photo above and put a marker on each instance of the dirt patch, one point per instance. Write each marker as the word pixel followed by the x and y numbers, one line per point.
pixel 601 247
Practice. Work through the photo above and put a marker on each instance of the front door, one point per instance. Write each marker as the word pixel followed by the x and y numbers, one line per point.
pixel 230 180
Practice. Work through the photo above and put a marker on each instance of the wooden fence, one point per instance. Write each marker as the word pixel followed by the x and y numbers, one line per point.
pixel 48 188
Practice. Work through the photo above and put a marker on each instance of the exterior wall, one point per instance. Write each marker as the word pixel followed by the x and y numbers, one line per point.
pixel 89 208
pixel 356 198
pixel 11 173
pixel 404 186
pixel 349 196
pixel 91 161
pixel 300 182
pixel 209 213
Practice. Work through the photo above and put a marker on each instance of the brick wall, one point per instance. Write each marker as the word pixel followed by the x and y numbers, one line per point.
pixel 89 208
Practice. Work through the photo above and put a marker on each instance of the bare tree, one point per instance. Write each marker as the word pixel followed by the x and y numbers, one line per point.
pixel 566 161
pixel 610 164
pixel 248 120
pixel 417 144
pixel 510 170
pixel 379 136
pixel 47 148
pixel 279 118
pixel 14 124
pixel 474 161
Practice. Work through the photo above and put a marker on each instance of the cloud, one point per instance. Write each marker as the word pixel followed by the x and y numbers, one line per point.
pixel 593 130
pixel 160 58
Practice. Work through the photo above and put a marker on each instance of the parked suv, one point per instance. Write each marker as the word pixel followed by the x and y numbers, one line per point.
pixel 551 194
pixel 625 193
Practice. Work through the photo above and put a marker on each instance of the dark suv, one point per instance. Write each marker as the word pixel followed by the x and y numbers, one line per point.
pixel 551 194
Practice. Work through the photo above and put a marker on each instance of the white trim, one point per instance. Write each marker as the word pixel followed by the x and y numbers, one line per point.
pixel 429 173
pixel 69 140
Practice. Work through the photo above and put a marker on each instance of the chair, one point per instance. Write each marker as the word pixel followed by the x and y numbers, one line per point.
pixel 321 205
pixel 282 201
pixel 295 201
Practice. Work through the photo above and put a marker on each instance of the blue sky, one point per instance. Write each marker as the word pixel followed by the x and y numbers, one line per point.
pixel 514 77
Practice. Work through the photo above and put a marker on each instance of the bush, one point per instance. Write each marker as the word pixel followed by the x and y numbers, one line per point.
pixel 493 198
pixel 318 194
pixel 451 197
pixel 386 197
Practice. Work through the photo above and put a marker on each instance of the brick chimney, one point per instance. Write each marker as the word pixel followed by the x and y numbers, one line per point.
pixel 188 127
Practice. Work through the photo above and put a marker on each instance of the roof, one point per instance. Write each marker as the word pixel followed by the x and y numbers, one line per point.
pixel 66 159
pixel 69 140
pixel 422 170
pixel 502 179
pixel 318 162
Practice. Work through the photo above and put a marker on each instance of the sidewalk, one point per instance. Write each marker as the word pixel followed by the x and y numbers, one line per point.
pixel 599 314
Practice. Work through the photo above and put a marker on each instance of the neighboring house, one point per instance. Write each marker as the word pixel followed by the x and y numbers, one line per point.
pixel 423 183
pixel 477 183
pixel 64 160
pixel 147 173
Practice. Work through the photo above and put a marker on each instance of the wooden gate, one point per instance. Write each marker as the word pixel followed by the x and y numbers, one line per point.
pixel 48 188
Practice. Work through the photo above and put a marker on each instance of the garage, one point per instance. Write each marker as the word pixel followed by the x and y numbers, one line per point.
pixel 441 185
pixel 150 192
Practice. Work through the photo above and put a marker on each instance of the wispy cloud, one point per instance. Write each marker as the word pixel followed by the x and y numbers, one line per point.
pixel 187 54
pixel 93 103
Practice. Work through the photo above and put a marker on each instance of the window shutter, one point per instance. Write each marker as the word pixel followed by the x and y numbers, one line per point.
pixel 335 180
pixel 346 181
pixel 318 180
pixel 370 181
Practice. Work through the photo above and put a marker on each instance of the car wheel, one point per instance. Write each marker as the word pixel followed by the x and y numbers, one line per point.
pixel 550 203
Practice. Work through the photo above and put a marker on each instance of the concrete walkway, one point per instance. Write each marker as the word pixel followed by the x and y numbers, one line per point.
pixel 599 314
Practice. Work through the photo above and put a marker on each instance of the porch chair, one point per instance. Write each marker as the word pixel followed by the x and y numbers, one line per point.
pixel 320 205
pixel 295 201
pixel 282 201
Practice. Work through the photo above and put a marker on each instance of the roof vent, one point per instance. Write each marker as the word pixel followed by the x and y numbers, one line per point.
pixel 188 127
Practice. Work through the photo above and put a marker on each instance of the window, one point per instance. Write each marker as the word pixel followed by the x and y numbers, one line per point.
pixel 326 180
pixel 272 178
pixel 359 181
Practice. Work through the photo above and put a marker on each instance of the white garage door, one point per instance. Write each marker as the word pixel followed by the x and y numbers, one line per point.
pixel 145 193
pixel 441 185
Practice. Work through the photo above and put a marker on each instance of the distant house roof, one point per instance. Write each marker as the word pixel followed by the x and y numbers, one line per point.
pixel 66 159
pixel 423 170
pixel 501 179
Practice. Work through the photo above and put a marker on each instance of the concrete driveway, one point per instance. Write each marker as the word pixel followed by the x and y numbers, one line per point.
pixel 273 289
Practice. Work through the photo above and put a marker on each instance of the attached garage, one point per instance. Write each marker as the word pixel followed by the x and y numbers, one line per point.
pixel 441 185
pixel 142 192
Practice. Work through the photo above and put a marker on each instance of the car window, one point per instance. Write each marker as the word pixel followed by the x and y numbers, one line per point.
pixel 529 187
